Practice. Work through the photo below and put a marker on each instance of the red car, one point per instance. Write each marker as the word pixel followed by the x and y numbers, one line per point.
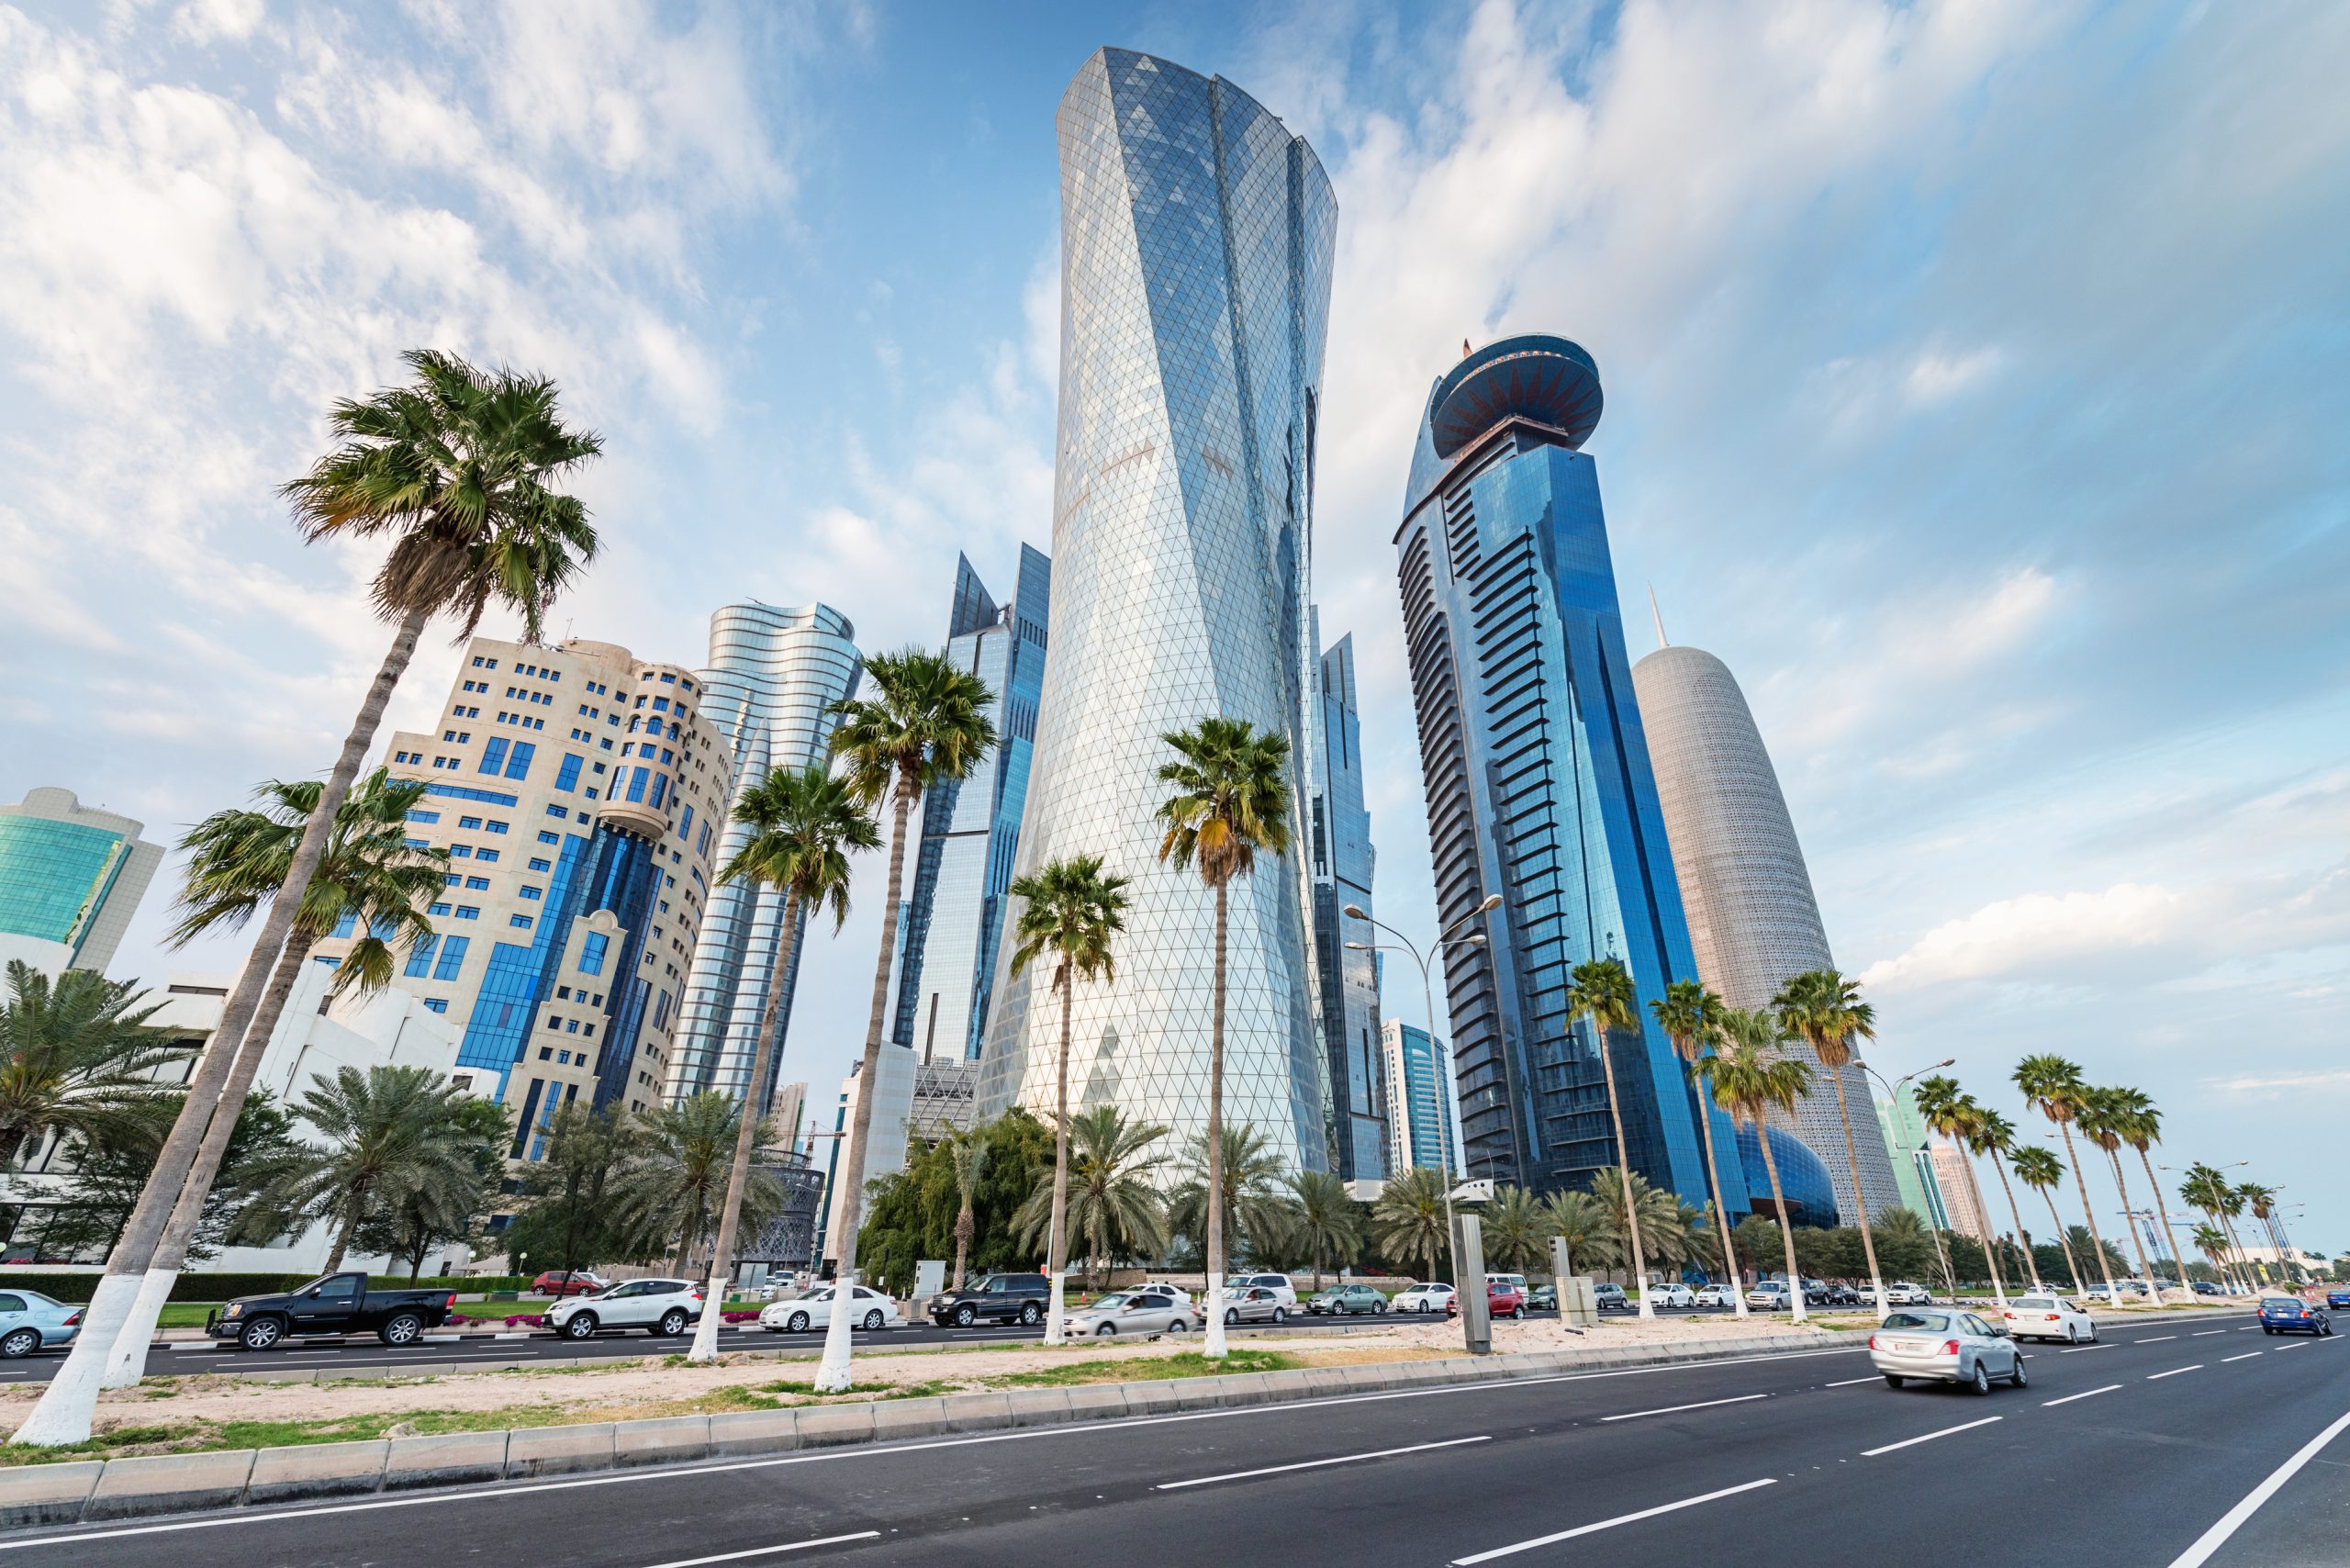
pixel 1503 1299
pixel 557 1283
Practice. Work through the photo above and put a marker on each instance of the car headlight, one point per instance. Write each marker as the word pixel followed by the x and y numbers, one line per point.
pixel 234 1307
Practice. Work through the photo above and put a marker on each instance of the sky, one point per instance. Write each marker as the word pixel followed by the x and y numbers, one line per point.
pixel 1975 390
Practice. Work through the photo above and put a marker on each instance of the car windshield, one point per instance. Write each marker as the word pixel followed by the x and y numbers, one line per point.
pixel 2036 1303
pixel 2282 1303
pixel 1114 1299
pixel 1932 1321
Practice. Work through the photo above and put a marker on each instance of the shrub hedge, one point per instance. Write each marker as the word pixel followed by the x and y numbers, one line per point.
pixel 197 1286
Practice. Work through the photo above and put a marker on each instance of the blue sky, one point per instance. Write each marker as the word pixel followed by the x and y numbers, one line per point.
pixel 1974 378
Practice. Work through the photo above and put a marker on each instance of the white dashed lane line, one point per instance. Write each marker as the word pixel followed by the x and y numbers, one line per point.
pixel 2153 1377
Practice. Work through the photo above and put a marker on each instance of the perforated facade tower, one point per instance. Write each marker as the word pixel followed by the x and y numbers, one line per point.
pixel 1195 274
pixel 1753 919
pixel 1341 859
pixel 1537 783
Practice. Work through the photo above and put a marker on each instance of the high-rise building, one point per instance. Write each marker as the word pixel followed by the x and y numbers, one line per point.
pixel 577 878
pixel 1753 922
pixel 971 828
pixel 773 679
pixel 1909 1139
pixel 1341 859
pixel 1196 238
pixel 1538 782
pixel 1958 1197
pixel 70 877
pixel 1421 1114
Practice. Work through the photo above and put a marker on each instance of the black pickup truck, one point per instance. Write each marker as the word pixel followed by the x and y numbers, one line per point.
pixel 332 1304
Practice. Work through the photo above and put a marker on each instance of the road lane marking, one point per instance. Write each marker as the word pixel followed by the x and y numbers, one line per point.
pixel 1701 1404
pixel 1608 1524
pixel 2078 1348
pixel 770 1551
pixel 1930 1437
pixel 2155 1341
pixel 2155 1377
pixel 2206 1333
pixel 1305 1464
pixel 2108 1388
pixel 2245 1357
pixel 1850 1380
pixel 2302 1345
pixel 2211 1539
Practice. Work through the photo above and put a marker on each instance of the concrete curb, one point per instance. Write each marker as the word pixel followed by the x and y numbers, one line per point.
pixel 90 1491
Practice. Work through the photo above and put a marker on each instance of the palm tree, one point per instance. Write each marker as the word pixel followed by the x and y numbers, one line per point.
pixel 1989 1132
pixel 1671 1230
pixel 2208 1190
pixel 1102 1190
pixel 2142 1128
pixel 2212 1242
pixel 1583 1222
pixel 966 1156
pixel 1942 1106
pixel 1230 801
pixel 2054 1086
pixel 1824 1010
pixel 1409 1222
pixel 1252 1178
pixel 1601 989
pixel 2040 1169
pixel 1515 1228
pixel 1070 910
pixel 75 1058
pixel 2261 1201
pixel 458 471
pixel 1749 1078
pixel 1327 1219
pixel 2105 1115
pixel 925 724
pixel 802 823
pixel 1690 1016
pixel 669 1195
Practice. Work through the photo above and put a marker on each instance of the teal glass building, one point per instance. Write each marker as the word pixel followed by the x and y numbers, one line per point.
pixel 70 877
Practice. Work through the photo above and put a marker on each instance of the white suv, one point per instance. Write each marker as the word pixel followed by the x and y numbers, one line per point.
pixel 1283 1291
pixel 1433 1296
pixel 1901 1293
pixel 657 1307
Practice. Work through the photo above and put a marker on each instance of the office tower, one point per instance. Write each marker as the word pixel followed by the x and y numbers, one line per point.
pixel 1538 782
pixel 1753 920
pixel 575 787
pixel 790 1112
pixel 1957 1193
pixel 1420 1110
pixel 1195 276
pixel 70 877
pixel 773 677
pixel 1908 1139
pixel 971 828
pixel 1340 859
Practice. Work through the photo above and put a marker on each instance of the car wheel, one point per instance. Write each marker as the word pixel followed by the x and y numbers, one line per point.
pixel 1981 1381
pixel 2020 1379
pixel 2072 1334
pixel 1281 1315
pixel 1893 1380
pixel 874 1319
pixel 1031 1314
pixel 798 1322
pixel 579 1326
pixel 673 1322
pixel 1178 1327
pixel 262 1333
pixel 1231 1316
pixel 404 1328
pixel 20 1343
pixel 1380 1311
pixel 966 1315
pixel 2266 1329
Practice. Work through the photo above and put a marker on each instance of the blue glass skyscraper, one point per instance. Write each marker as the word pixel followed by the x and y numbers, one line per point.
pixel 1341 859
pixel 1420 1107
pixel 1538 783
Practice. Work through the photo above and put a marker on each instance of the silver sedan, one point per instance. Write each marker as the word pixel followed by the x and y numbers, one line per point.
pixel 1254 1303
pixel 1944 1346
pixel 1123 1312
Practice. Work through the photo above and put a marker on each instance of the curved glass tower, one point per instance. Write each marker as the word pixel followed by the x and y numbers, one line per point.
pixel 1195 276
pixel 774 675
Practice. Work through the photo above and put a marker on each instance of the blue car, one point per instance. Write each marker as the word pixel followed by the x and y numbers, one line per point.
pixel 2291 1314
pixel 2338 1297
pixel 30 1321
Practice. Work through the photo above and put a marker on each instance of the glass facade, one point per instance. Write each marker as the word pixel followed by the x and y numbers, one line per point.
pixel 1341 859
pixel 1421 1111
pixel 70 877
pixel 1196 236
pixel 970 830
pixel 1811 1196
pixel 774 675
pixel 1538 783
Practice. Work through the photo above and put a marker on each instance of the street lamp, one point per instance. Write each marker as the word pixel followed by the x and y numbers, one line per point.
pixel 1893 1093
pixel 1449 937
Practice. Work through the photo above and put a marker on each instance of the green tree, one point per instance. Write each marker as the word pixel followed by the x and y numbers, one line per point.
pixel 422 1218
pixel 1069 910
pixel 1329 1221
pixel 2212 1242
pixel 1515 1229
pixel 1409 1221
pixel 1989 1132
pixel 1583 1222
pixel 568 1213
pixel 1103 1191
pixel 1254 1180
pixel 1670 1229
pixel 667 1197
pixel 2053 1087
pixel 912 1211
pixel 1229 803
pixel 107 1176
pixel 802 825
pixel 1824 1010
pixel 1691 1016
pixel 1759 1243
pixel 77 1057
pixel 2039 1168
pixel 2142 1128
pixel 2208 1190
pixel 2104 1116
pixel 966 1156
pixel 1750 1079
pixel 1602 992
pixel 1903 1244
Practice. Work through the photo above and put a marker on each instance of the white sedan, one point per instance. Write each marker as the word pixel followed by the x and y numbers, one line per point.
pixel 1434 1296
pixel 2049 1317
pixel 1673 1294
pixel 1718 1296
pixel 814 1310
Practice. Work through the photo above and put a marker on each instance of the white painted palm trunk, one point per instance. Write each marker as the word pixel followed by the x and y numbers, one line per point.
pixel 71 1399
pixel 1054 1335
pixel 713 1313
pixel 1737 1297
pixel 1212 1315
pixel 126 1362
pixel 832 1374
pixel 1648 1308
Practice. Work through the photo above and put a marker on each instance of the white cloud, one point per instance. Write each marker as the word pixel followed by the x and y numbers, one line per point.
pixel 2035 935
pixel 210 21
pixel 2273 1085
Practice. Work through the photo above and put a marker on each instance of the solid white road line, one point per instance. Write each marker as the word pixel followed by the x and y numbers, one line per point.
pixel 2153 1377
pixel 1312 1465
pixel 2245 1357
pixel 2155 1341
pixel 2211 1539
pixel 1930 1437
pixel 1608 1524
pixel 1850 1380
pixel 770 1551
pixel 1670 1409
pixel 2091 1394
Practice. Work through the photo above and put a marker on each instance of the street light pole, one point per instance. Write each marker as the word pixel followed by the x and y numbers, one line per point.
pixel 1893 1094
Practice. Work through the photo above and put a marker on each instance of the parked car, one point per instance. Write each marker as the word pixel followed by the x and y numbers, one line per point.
pixel 1281 1285
pixel 1819 1293
pixel 1254 1303
pixel 871 1309
pixel 1673 1294
pixel 560 1282
pixel 331 1304
pixel 657 1307
pixel 1341 1301
pixel 30 1321
pixel 2338 1297
pixel 1946 1345
pixel 1542 1298
pixel 1431 1296
pixel 2049 1317
pixel 998 1298
pixel 2291 1314
pixel 1503 1299
pixel 2205 1287
pixel 1718 1296
pixel 1132 1312
pixel 1901 1293
pixel 1609 1296
pixel 1771 1295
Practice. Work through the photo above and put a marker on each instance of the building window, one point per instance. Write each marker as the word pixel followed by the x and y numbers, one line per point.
pixel 518 764
pixel 591 953
pixel 493 754
pixel 558 814
pixel 461 852
pixel 439 908
pixel 478 884
pixel 519 921
pixel 550 838
pixel 424 817
pixel 567 777
pixel 420 957
pixel 539 865
pixel 485 854
pixel 438 1004
pixel 452 958
pixel 468 911
pixel 529 892
pixel 499 826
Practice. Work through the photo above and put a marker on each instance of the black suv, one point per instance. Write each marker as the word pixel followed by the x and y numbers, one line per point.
pixel 998 1298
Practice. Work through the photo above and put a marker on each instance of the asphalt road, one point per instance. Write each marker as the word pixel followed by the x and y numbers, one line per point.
pixel 2168 1445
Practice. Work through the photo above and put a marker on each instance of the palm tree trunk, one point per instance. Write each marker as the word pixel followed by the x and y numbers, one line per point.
pixel 1983 1215
pixel 2137 1241
pixel 965 1223
pixel 67 1405
pixel 2235 1248
pixel 2162 1212
pixel 2064 1241
pixel 1213 1309
pixel 1721 1216
pixel 2088 1216
pixel 2023 1236
pixel 354 1205
pixel 1786 1231
pixel 1623 1169
pixel 832 1372
pixel 1056 1238
pixel 1853 1155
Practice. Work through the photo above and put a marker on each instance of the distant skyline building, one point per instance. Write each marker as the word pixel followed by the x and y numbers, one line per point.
pixel 1341 861
pixel 773 677
pixel 1537 781
pixel 1754 921
pixel 970 829
pixel 71 876
pixel 1196 238
pixel 575 787
pixel 1421 1111
pixel 1958 1196
pixel 1908 1139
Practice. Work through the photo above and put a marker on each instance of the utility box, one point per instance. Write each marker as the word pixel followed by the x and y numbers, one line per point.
pixel 930 1277
pixel 1578 1304
pixel 1469 1284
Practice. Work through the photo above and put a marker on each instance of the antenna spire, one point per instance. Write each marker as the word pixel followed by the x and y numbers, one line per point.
pixel 1661 640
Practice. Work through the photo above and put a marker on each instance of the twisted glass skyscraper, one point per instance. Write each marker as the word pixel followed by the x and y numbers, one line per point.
pixel 1195 277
